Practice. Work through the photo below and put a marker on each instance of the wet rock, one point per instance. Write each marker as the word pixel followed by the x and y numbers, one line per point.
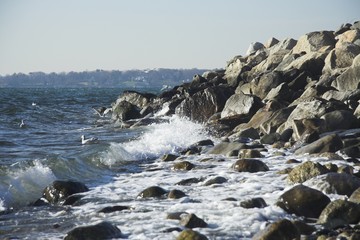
pixel 241 104
pixel 226 147
pixel 169 157
pixel 355 196
pixel 253 203
pixel 202 105
pixel 250 165
pixel 59 191
pixel 338 213
pixel 339 119
pixel 176 194
pixel 175 215
pixel 303 201
pixel 192 221
pixel 138 99
pixel 103 230
pixel 189 181
pixel 183 165
pixel 270 138
pixel 306 171
pixel 215 180
pixel 337 183
pixel 328 143
pixel 280 230
pixel 189 234
pixel 153 192
pixel 114 209
pixel 125 111
pixel 249 153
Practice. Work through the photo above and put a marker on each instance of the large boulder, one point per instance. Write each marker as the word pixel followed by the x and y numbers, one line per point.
pixel 350 79
pixel 138 99
pixel 203 104
pixel 339 213
pixel 341 57
pixel 279 230
pixel 103 230
pixel 314 41
pixel 241 104
pixel 350 36
pixel 339 119
pixel 261 86
pixel 225 148
pixel 303 201
pixel 337 183
pixel 125 111
pixel 328 143
pixel 306 171
pixel 59 191
pixel 234 68
pixel 192 221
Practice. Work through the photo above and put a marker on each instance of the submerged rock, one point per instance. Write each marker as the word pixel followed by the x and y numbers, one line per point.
pixel 103 230
pixel 253 203
pixel 192 221
pixel 152 192
pixel 250 165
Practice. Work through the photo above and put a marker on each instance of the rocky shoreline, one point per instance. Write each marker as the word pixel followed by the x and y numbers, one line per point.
pixel 299 95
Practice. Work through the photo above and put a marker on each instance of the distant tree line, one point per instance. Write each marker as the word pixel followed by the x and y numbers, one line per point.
pixel 131 79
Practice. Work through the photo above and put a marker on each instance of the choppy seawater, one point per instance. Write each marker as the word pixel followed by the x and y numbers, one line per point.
pixel 117 169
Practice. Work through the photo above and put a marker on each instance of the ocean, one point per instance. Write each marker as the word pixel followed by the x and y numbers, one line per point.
pixel 116 169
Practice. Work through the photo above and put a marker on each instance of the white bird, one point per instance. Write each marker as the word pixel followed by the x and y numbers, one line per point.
pixel 89 140
pixel 102 111
pixel 22 124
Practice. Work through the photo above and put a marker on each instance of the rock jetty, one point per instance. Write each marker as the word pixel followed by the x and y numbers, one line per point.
pixel 301 96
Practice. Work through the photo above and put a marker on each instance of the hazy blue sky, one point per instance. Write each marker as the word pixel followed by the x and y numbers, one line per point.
pixel 78 35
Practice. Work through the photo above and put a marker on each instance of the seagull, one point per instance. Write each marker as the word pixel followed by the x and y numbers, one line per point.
pixel 22 124
pixel 102 111
pixel 89 140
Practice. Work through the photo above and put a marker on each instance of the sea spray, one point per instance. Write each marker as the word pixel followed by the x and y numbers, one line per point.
pixel 24 186
pixel 169 137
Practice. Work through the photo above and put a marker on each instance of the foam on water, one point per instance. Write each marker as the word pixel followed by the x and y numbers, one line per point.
pixel 158 139
pixel 24 186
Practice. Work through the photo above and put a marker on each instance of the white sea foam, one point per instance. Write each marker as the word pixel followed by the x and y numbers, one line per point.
pixel 26 185
pixel 158 139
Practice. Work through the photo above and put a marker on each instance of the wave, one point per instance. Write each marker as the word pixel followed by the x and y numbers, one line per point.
pixel 20 187
pixel 157 139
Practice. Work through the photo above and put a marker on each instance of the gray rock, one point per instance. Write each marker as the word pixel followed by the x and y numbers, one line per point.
pixel 339 119
pixel 59 191
pixel 114 209
pixel 328 143
pixel 138 99
pixel 189 181
pixel 355 196
pixel 286 44
pixel 176 194
pixel 226 147
pixel 341 57
pixel 189 234
pixel 250 165
pixel 103 230
pixel 339 213
pixel 215 180
pixel 203 104
pixel 306 171
pixel 337 183
pixel 350 36
pixel 125 111
pixel 253 203
pixel 239 104
pixel 349 80
pixel 279 230
pixel 152 192
pixel 314 41
pixel 249 153
pixel 169 157
pixel 254 46
pixel 303 201
pixel 271 42
pixel 192 221
pixel 262 86
pixel 183 165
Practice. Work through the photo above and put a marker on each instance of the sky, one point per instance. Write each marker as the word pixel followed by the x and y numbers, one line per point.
pixel 85 35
